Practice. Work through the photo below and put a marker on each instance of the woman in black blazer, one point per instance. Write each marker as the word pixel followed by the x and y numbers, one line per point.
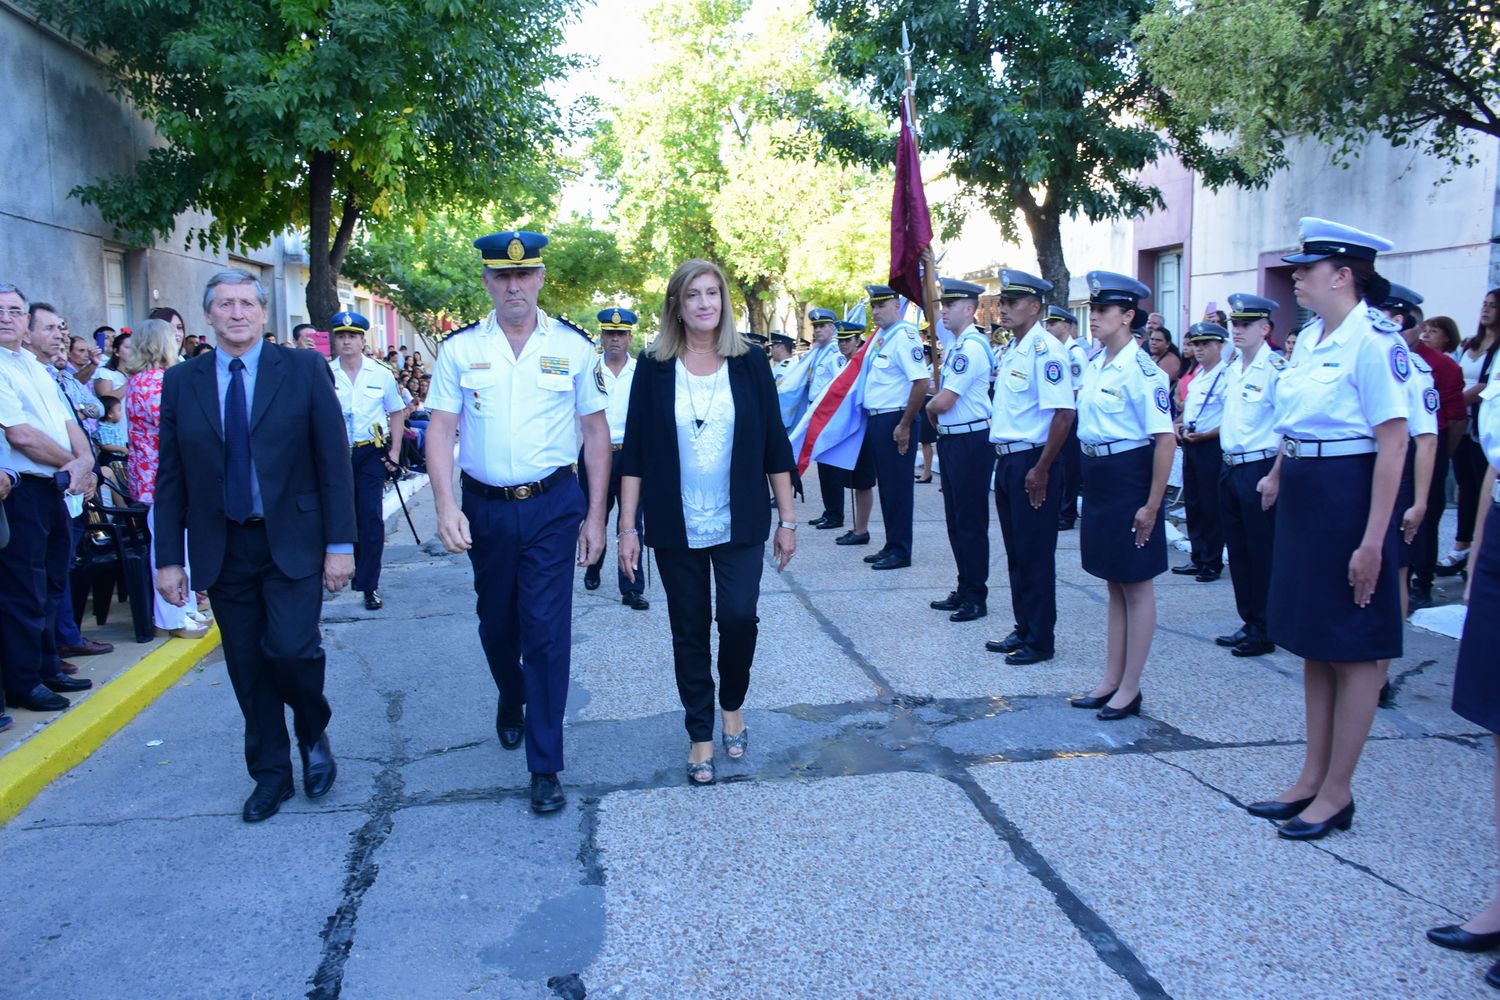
pixel 702 435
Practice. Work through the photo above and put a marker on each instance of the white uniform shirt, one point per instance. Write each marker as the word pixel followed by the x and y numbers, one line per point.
pixel 1035 378
pixel 827 361
pixel 29 394
pixel 896 361
pixel 1124 399
pixel 1250 404
pixel 1204 405
pixel 966 373
pixel 368 400
pixel 1421 398
pixel 617 388
pixel 1347 385
pixel 516 413
pixel 1078 359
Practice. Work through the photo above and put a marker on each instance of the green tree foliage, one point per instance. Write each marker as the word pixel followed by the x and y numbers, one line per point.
pixel 319 114
pixel 1418 72
pixel 1039 109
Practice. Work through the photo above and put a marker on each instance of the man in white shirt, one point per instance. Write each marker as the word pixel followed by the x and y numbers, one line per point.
pixel 894 391
pixel 1064 326
pixel 1198 431
pixel 374 419
pixel 615 371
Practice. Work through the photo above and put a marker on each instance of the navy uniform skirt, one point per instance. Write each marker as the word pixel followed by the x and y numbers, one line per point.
pixel 1114 487
pixel 926 429
pixel 1476 682
pixel 1320 521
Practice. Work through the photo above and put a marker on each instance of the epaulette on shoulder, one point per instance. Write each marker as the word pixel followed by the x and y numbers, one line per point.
pixel 563 321
pixel 1419 363
pixel 1381 322
pixel 442 336
pixel 385 365
pixel 1276 361
pixel 1147 365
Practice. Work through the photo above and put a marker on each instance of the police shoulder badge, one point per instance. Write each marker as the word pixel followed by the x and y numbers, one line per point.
pixel 960 362
pixel 1052 371
pixel 916 353
pixel 1400 363
pixel 1077 369
pixel 1430 399
pixel 1163 402
pixel 599 376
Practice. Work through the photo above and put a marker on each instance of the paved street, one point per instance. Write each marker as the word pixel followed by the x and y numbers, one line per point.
pixel 914 818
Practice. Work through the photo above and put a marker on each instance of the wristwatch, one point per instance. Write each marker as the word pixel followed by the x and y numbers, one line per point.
pixel 788 525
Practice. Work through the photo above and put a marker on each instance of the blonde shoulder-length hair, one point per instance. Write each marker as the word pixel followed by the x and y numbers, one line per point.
pixel 671 335
pixel 153 344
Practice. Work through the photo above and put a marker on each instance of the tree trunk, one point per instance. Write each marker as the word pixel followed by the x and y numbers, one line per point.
pixel 1044 223
pixel 758 304
pixel 325 248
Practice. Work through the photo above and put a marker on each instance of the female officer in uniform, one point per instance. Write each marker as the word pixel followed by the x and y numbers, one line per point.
pixel 1125 429
pixel 1341 410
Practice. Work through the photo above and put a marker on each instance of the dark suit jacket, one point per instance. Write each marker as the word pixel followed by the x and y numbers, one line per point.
pixel 650 452
pixel 301 455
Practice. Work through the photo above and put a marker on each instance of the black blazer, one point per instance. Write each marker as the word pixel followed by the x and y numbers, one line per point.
pixel 760 447
pixel 301 455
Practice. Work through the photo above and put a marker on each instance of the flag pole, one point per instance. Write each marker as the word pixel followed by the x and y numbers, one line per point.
pixel 929 280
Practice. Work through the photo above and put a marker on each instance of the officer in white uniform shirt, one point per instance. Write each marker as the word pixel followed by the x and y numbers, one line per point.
pixel 1401 308
pixel 1198 434
pixel 894 391
pixel 825 363
pixel 1064 326
pixel 1249 442
pixel 961 410
pixel 374 419
pixel 615 371
pixel 512 385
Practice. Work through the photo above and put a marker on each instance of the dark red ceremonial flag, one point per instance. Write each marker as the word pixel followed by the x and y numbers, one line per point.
pixel 911 225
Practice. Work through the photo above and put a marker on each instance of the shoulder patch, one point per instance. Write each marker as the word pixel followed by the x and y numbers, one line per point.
pixel 1163 401
pixel 1052 371
pixel 1430 399
pixel 441 336
pixel 1400 363
pixel 1276 361
pixel 1077 369
pixel 568 324
pixel 960 363
pixel 1147 365
pixel 916 353
pixel 599 376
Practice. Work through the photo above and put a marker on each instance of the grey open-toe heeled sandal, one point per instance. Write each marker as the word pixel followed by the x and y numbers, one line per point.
pixel 736 745
pixel 701 773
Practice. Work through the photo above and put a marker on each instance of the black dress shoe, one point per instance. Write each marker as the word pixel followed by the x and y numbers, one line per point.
pixel 546 794
pixel 823 523
pixel 816 522
pixel 318 768
pixel 265 802
pixel 891 561
pixel 1091 701
pixel 38 699
pixel 1253 647
pixel 1209 575
pixel 1066 524
pixel 950 603
pixel 1233 639
pixel 1024 655
pixel 968 611
pixel 62 683
pixel 850 538
pixel 590 580
pixel 1108 714
pixel 874 557
pixel 373 601
pixel 1009 644
pixel 1419 598
pixel 1186 569
pixel 1492 977
pixel 1279 811
pixel 637 601
pixel 1299 829
pixel 510 727
pixel 1455 938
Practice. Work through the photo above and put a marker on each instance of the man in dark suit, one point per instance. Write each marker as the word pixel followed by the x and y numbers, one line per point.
pixel 255 467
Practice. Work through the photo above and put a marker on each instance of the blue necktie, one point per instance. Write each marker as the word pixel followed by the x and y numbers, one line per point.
pixel 237 499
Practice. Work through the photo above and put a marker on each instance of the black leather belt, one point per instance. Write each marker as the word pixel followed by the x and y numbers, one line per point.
pixel 524 491
pixel 38 477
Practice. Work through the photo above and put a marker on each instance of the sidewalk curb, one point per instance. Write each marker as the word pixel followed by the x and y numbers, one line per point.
pixel 73 738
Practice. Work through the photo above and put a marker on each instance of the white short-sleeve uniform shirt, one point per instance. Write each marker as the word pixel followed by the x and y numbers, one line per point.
pixel 1250 404
pixel 1123 399
pixel 896 360
pixel 1035 379
pixel 967 368
pixel 368 399
pixel 1344 385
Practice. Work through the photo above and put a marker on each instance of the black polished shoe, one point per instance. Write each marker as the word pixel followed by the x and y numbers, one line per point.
pixel 636 601
pixel 1492 977
pixel 1009 644
pixel 546 794
pixel 510 726
pixel 590 580
pixel 265 802
pixel 1233 639
pixel 1108 714
pixel 877 556
pixel 1066 524
pixel 1419 598
pixel 1253 647
pixel 968 611
pixel 1091 701
pixel 1455 938
pixel 817 522
pixel 1186 569
pixel 891 561
pixel 38 699
pixel 1279 811
pixel 318 768
pixel 373 601
pixel 1025 655
pixel 850 538
pixel 62 683
pixel 1209 575
pixel 1299 829
pixel 950 603
pixel 823 523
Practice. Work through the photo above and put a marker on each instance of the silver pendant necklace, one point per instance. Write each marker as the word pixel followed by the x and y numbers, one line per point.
pixel 699 422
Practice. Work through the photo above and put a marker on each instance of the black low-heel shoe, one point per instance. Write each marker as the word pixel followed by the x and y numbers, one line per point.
pixel 1301 830
pixel 1492 977
pixel 1455 938
pixel 1090 702
pixel 1279 811
pixel 1108 714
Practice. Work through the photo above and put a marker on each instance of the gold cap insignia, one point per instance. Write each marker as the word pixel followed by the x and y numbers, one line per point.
pixel 515 251
pixel 614 317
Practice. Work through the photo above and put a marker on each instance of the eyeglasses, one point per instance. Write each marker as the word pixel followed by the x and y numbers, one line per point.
pixel 12 313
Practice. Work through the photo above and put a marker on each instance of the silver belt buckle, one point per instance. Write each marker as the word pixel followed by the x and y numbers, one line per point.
pixel 1092 451
pixel 521 492
pixel 1289 448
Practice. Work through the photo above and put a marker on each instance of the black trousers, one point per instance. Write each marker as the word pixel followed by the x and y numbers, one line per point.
pixel 1030 546
pixel 269 628
pixel 894 474
pixel 1071 460
pixel 1250 534
pixel 1424 547
pixel 968 461
pixel 832 481
pixel 33 571
pixel 611 497
pixel 1201 462
pixel 1468 471
pixel 369 497
pixel 685 576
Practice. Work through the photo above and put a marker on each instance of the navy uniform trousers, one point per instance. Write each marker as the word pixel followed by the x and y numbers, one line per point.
pixel 1071 460
pixel 832 481
pixel 894 475
pixel 610 499
pixel 1250 534
pixel 369 518
pixel 1424 547
pixel 967 461
pixel 523 556
pixel 1030 546
pixel 33 568
pixel 1201 462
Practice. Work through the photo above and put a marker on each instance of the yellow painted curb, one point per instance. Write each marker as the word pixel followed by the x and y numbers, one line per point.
pixel 69 741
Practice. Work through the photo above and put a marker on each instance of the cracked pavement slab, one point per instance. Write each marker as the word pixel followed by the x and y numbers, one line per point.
pixel 914 817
